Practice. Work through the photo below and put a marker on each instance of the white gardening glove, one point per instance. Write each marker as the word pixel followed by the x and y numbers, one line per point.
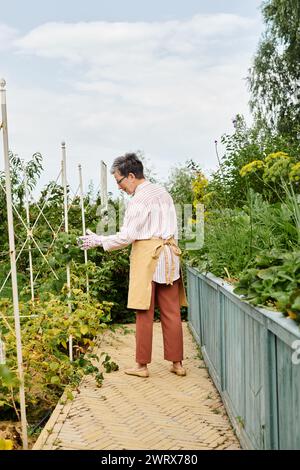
pixel 91 240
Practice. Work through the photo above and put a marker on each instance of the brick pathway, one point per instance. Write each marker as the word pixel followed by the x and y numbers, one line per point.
pixel 161 412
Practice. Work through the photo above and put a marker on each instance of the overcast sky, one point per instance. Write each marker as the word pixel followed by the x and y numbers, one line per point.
pixel 165 77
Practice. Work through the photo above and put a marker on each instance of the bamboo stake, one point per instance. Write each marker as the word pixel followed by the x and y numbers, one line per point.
pixel 83 221
pixel 12 252
pixel 103 185
pixel 64 183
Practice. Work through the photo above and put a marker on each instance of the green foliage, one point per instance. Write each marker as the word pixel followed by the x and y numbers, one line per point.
pixel 108 271
pixel 274 281
pixel 46 327
pixel 48 322
pixel 109 365
pixel 233 237
pixel 180 182
pixel 245 146
pixel 275 74
pixel 18 171
pixel 277 175
pixel 227 243
pixel 21 171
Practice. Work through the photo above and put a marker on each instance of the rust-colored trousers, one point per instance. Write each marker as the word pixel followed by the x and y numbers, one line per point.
pixel 166 297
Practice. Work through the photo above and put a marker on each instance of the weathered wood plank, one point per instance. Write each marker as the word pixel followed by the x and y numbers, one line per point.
pixel 288 382
pixel 248 351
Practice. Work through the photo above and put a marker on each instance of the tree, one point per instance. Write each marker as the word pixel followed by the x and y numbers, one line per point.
pixel 245 145
pixel 180 182
pixel 274 78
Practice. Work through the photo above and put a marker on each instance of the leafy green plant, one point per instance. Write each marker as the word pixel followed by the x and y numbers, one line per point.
pixel 226 245
pixel 109 365
pixel 274 281
pixel 46 327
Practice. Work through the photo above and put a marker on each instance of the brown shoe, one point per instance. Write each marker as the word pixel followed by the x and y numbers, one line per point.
pixel 138 372
pixel 178 370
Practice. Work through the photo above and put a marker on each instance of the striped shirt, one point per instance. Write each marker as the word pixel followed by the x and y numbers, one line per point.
pixel 149 213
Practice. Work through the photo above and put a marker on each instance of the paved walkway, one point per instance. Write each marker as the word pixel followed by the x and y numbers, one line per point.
pixel 161 412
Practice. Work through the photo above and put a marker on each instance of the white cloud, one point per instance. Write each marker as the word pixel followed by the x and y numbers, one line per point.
pixel 7 36
pixel 104 43
pixel 169 88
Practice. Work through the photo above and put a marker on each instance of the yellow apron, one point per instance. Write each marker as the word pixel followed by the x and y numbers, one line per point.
pixel 143 260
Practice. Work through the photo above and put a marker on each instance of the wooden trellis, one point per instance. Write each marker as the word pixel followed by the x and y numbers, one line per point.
pixel 31 240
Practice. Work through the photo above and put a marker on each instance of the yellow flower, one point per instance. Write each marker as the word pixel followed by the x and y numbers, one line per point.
pixel 269 160
pixel 251 167
pixel 278 166
pixel 294 174
pixel 199 185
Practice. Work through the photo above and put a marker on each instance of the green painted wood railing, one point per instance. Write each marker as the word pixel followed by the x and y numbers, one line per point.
pixel 253 356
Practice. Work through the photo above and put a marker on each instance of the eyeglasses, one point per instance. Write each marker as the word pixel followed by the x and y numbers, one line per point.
pixel 120 180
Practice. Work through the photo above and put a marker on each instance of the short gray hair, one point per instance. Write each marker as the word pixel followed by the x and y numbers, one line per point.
pixel 128 163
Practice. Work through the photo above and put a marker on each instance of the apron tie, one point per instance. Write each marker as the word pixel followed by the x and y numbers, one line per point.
pixel 174 250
